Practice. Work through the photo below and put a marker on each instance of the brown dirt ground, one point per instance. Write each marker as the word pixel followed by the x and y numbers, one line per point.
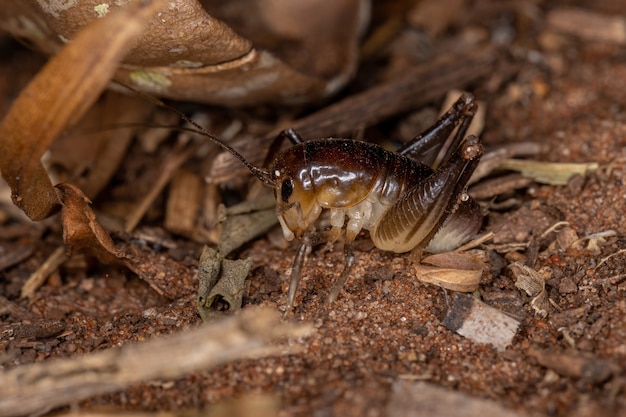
pixel 567 93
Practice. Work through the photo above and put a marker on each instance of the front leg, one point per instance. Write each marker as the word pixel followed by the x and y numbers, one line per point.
pixel 296 274
pixel 308 241
pixel 347 267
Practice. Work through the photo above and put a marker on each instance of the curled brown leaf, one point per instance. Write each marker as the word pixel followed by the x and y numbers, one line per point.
pixel 236 53
pixel 81 230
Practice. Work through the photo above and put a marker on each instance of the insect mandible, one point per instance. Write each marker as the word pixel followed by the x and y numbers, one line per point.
pixel 413 199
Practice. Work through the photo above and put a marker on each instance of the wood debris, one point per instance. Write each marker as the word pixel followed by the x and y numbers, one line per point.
pixel 410 398
pixel 588 25
pixel 38 387
pixel 481 323
pixel 589 368
pixel 183 203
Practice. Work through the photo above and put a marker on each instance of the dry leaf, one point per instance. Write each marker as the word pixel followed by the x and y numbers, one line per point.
pixel 491 160
pixel 534 284
pixel 245 221
pixel 221 285
pixel 553 173
pixel 81 231
pixel 451 270
pixel 80 228
pixel 240 52
pixel 57 97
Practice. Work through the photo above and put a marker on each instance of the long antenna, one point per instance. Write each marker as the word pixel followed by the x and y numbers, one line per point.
pixel 262 174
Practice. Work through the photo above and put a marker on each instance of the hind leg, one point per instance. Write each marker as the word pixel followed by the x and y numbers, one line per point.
pixel 426 147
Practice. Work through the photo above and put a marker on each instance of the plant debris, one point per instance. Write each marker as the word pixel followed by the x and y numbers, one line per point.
pixel 135 181
pixel 481 323
pixel 546 172
pixel 590 369
pixel 195 50
pixel 421 398
pixel 534 284
pixel 37 387
pixel 451 270
pixel 221 284
pixel 27 132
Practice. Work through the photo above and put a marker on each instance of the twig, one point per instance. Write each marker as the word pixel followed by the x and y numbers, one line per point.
pixel 41 386
pixel 606 258
pixel 40 275
pixel 170 166
pixel 554 228
pixel 417 87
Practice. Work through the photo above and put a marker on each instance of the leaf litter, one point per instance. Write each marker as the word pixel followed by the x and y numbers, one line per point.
pixel 345 368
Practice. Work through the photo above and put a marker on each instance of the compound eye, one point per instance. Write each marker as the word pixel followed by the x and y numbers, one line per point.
pixel 286 189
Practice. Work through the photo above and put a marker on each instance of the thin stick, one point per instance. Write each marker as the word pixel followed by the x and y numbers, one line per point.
pixel 479 240
pixel 554 228
pixel 168 170
pixel 606 258
pixel 38 277
pixel 29 389
pixel 418 86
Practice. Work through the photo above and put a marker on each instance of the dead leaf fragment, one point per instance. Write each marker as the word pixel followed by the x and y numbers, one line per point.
pixel 80 228
pixel 553 173
pixel 246 221
pixel 451 270
pixel 81 231
pixel 534 284
pixel 221 284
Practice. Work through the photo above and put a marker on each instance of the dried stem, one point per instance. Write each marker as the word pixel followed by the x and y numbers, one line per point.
pixel 41 386
pixel 38 277
pixel 417 87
